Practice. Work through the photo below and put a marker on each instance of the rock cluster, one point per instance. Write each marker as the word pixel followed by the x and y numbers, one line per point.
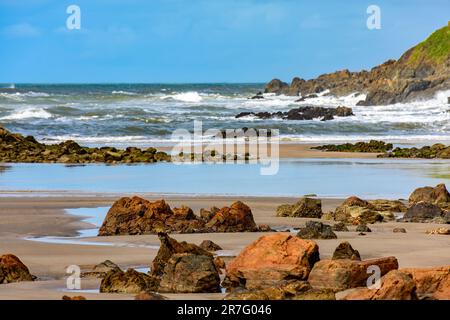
pixel 419 73
pixel 429 204
pixel 140 216
pixel 436 151
pixel 13 270
pixel 302 113
pixel 282 266
pixel 179 267
pixel 357 211
pixel 17 148
pixel 373 146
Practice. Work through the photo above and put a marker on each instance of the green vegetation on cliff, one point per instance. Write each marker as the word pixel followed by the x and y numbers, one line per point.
pixel 435 49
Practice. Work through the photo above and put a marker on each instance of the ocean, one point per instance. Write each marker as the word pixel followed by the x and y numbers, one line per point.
pixel 147 114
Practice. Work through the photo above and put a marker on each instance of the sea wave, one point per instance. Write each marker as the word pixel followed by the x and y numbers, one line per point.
pixel 191 96
pixel 125 93
pixel 27 114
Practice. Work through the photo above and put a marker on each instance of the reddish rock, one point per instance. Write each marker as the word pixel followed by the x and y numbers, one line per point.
pixel 436 195
pixel 395 285
pixel 139 216
pixel 129 216
pixel 344 274
pixel 236 218
pixel 434 282
pixel 73 298
pixel 13 270
pixel 271 259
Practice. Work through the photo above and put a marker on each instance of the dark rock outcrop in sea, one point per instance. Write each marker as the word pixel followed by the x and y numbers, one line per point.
pixel 419 73
pixel 139 216
pixel 302 113
pixel 16 148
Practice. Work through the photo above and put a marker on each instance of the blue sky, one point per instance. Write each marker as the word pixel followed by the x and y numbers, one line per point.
pixel 204 40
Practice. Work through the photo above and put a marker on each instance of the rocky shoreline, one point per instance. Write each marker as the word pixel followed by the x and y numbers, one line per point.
pixel 15 147
pixel 387 150
pixel 418 74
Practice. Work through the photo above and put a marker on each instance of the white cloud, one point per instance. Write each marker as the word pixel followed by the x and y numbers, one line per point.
pixel 21 30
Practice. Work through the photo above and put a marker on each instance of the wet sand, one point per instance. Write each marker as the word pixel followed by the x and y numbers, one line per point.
pixel 45 216
pixel 303 151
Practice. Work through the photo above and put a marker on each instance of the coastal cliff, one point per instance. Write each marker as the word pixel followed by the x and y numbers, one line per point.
pixel 418 74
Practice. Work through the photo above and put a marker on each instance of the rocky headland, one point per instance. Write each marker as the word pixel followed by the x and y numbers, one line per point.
pixel 418 74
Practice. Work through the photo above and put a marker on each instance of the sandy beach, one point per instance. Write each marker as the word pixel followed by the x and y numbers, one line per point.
pixel 45 216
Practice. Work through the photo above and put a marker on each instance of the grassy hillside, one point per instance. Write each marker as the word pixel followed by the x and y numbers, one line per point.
pixel 435 49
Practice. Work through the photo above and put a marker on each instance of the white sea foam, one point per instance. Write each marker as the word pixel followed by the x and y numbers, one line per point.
pixel 126 93
pixel 190 96
pixel 27 114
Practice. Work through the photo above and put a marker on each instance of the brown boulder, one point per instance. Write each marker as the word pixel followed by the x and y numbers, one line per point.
pixel 431 282
pixel 101 269
pixel 344 274
pixel 210 246
pixel 345 251
pixel 271 259
pixel 425 212
pixel 356 211
pixel 139 216
pixel 236 218
pixel 340 226
pixel 395 285
pixel 168 248
pixel 13 270
pixel 316 230
pixel 304 208
pixel 436 195
pixel 190 273
pixel 131 281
